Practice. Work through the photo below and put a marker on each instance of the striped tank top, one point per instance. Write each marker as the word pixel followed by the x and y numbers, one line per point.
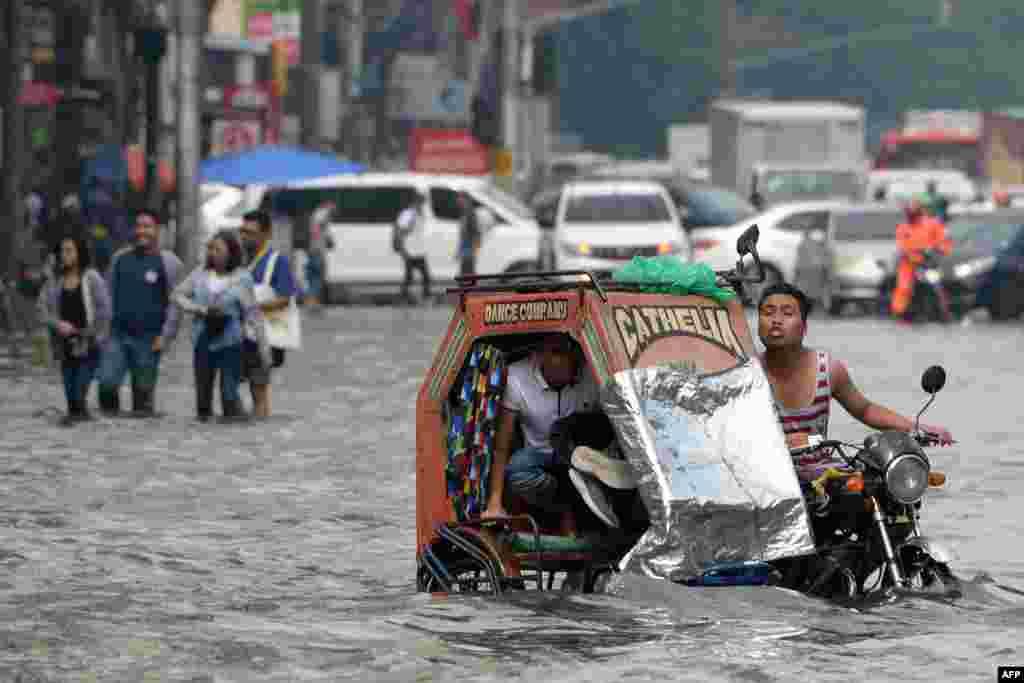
pixel 812 419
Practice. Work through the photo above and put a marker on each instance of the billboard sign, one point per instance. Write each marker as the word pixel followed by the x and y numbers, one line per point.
pixel 422 90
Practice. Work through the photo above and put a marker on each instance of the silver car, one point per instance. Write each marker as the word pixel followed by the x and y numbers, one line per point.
pixel 862 246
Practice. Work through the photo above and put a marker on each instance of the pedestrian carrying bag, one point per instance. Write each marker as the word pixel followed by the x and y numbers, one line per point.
pixel 282 329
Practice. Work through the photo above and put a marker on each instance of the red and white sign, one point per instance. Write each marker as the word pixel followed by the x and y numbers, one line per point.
pixel 255 96
pixel 447 151
pixel 229 136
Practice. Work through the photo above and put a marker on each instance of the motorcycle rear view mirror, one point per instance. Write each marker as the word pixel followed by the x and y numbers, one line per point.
pixel 747 244
pixel 933 379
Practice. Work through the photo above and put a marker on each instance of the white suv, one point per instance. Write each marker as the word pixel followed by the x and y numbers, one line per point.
pixel 599 225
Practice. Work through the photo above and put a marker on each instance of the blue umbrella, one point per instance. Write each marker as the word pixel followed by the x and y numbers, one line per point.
pixel 274 166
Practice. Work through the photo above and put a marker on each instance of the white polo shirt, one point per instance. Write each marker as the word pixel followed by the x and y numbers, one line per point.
pixel 413 220
pixel 539 405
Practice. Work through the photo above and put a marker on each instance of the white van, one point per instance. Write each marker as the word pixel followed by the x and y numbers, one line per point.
pixel 367 205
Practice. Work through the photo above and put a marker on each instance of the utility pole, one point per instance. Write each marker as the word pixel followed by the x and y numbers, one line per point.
pixel 309 117
pixel 13 137
pixel 727 48
pixel 190 31
pixel 150 47
pixel 352 134
pixel 510 25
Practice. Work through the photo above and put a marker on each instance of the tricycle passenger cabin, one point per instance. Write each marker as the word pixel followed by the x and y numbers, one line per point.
pixel 617 328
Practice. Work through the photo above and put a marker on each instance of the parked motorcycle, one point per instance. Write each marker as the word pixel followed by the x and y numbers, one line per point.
pixel 866 519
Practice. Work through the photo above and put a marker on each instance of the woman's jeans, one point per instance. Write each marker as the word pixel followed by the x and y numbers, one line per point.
pixel 228 362
pixel 78 375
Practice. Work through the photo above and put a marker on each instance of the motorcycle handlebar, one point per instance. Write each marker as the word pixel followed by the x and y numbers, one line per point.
pixel 925 439
pixel 929 439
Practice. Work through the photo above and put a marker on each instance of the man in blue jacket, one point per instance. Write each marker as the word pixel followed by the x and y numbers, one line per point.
pixel 141 279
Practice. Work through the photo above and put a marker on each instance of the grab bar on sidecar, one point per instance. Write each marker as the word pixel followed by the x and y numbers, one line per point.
pixel 538 548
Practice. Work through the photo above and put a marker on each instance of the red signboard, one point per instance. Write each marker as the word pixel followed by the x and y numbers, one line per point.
pixel 38 94
pixel 447 151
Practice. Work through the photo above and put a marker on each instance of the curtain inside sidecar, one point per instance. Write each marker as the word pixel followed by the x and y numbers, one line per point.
pixel 472 414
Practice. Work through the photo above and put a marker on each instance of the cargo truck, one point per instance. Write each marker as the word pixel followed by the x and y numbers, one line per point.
pixel 987 146
pixel 779 151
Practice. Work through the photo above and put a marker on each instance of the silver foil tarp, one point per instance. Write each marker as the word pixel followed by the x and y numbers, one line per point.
pixel 715 473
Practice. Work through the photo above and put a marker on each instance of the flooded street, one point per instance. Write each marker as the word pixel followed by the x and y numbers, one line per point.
pixel 166 550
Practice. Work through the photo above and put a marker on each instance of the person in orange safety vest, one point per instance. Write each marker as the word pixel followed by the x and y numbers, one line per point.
pixel 920 233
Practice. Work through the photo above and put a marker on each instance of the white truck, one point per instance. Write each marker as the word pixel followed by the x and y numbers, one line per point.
pixel 784 151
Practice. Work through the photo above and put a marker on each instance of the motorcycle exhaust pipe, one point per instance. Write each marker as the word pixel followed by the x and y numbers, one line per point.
pixel 890 556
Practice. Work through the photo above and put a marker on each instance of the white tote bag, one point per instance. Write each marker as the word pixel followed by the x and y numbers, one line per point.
pixel 282 329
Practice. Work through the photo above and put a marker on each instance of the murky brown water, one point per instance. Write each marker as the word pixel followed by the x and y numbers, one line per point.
pixel 171 551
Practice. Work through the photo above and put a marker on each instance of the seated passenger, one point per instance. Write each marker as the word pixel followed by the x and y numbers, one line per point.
pixel 549 385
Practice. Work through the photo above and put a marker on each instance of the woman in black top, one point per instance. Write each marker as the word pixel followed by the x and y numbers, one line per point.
pixel 76 306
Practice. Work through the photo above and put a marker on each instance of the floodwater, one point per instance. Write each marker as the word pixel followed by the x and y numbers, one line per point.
pixel 165 550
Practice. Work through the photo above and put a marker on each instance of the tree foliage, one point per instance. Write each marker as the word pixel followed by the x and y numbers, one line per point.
pixel 626 75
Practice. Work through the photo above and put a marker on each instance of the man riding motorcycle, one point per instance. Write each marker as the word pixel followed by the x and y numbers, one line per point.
pixel 804 381
pixel 920 234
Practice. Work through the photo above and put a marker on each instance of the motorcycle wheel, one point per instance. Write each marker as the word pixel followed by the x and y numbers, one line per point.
pixel 934 578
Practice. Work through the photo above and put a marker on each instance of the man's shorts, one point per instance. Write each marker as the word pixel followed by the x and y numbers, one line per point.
pixel 253 368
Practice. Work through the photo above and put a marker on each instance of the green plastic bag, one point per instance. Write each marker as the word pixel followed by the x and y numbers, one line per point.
pixel 669 275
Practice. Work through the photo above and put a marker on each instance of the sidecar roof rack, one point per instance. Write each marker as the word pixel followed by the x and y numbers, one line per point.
pixel 543 281
pixel 532 281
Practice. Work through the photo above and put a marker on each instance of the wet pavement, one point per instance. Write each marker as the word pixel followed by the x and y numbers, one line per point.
pixel 169 550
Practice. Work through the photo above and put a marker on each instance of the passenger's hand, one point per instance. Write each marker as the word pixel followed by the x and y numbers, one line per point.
pixel 66 329
pixel 158 344
pixel 940 433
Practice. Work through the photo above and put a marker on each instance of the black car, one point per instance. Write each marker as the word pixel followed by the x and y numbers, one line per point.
pixel 986 267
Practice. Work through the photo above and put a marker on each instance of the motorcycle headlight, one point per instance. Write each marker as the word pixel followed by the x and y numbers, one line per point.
pixel 977 266
pixel 933 275
pixel 906 477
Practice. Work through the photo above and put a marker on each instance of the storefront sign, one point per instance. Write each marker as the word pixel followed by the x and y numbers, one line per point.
pixel 447 151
